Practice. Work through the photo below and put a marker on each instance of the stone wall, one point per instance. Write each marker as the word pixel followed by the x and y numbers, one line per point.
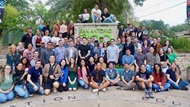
pixel 106 30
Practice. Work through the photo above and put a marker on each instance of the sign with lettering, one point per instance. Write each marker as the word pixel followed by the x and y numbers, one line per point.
pixel 96 32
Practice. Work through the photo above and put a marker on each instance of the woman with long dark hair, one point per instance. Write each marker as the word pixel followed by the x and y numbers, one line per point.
pixel 159 79
pixel 63 79
pixel 19 78
pixel 6 84
pixel 83 74
pixel 72 75
pixel 98 79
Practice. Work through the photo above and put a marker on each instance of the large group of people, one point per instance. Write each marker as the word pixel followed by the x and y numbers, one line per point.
pixel 43 64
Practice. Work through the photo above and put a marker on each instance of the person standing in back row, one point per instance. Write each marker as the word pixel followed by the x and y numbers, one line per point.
pixel 27 38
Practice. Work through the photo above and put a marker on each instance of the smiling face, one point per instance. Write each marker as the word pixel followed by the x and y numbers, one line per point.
pixel 19 66
pixel 7 69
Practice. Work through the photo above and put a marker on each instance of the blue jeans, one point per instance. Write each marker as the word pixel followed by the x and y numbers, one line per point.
pixel 180 84
pixel 19 89
pixel 149 68
pixel 94 17
pixel 83 84
pixel 31 89
pixel 155 86
pixel 6 97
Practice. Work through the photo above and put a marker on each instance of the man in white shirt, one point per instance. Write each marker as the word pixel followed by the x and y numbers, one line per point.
pixel 46 38
pixel 55 38
pixel 96 14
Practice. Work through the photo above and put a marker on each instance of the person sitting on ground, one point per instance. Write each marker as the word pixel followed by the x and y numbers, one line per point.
pixel 159 79
pixel 34 76
pixel 96 14
pixel 84 18
pixel 112 74
pixel 144 81
pixel 63 79
pixel 98 79
pixel 6 84
pixel 19 78
pixel 51 74
pixel 103 64
pixel 83 74
pixel 72 75
pixel 128 78
pixel 174 78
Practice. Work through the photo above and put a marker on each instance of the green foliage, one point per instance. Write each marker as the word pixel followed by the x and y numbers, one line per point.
pixel 181 27
pixel 181 44
pixel 157 28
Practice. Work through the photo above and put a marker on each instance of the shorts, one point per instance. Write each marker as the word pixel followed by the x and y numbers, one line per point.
pixel 48 84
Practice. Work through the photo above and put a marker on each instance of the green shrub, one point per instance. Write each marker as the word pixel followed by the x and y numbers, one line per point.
pixel 180 44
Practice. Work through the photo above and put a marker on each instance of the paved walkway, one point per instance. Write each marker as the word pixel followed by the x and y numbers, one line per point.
pixel 111 98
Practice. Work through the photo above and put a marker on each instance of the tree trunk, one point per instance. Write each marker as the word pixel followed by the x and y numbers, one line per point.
pixel 103 4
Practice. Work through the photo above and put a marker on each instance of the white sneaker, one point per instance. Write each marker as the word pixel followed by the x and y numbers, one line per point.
pixel 31 95
pixel 95 90
pixel 104 89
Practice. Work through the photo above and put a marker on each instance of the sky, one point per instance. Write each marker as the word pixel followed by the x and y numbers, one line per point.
pixel 172 16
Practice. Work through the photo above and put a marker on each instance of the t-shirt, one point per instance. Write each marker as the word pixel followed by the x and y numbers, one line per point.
pixel 140 58
pixel 111 74
pixel 46 39
pixel 171 57
pixel 84 50
pixel 163 58
pixel 105 15
pixel 128 75
pixel 7 84
pixel 100 76
pixel 172 74
pixel 35 73
pixel 46 28
pixel 144 75
pixel 97 11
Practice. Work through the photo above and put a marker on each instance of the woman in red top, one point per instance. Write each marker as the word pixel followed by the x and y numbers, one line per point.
pixel 83 75
pixel 159 79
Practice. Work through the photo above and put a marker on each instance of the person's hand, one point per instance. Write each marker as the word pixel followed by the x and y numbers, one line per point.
pixel 176 84
pixel 116 62
pixel 64 84
pixel 35 88
pixel 51 77
pixel 159 83
pixel 24 87
pixel 8 91
pixel 41 88
pixel 162 88
pixel 127 84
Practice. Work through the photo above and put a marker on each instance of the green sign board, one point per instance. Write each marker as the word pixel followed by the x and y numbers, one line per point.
pixel 96 32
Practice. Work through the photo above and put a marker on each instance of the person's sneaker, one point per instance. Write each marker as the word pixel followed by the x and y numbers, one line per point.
pixel 95 90
pixel 133 89
pixel 151 95
pixel 146 95
pixel 104 89
pixel 184 88
pixel 167 89
pixel 31 95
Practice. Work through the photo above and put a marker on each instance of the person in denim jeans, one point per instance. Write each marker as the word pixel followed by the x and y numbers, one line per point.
pixel 96 14
pixel 174 79
pixel 83 75
pixel 19 78
pixel 159 79
pixel 34 74
pixel 6 84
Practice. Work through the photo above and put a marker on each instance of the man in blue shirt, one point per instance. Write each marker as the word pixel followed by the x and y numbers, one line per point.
pixel 35 75
pixel 112 75
pixel 60 52
pixel 128 78
pixel 128 59
pixel 112 52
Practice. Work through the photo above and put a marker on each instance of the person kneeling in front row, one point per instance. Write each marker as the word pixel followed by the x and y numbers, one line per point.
pixel 34 74
pixel 128 77
pixel 51 73
pixel 98 79
pixel 144 79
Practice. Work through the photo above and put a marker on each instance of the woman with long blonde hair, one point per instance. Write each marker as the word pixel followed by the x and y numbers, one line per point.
pixel 6 84
pixel 13 56
pixel 174 78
